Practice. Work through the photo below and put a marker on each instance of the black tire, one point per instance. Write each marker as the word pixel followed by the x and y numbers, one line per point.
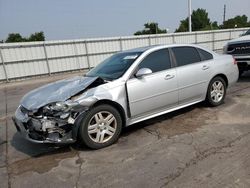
pixel 210 100
pixel 84 135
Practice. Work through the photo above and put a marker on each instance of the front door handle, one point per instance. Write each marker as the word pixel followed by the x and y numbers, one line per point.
pixel 205 67
pixel 169 76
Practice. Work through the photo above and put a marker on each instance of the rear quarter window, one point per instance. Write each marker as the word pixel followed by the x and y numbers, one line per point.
pixel 205 56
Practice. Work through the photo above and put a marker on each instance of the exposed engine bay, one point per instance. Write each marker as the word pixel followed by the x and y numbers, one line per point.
pixel 51 123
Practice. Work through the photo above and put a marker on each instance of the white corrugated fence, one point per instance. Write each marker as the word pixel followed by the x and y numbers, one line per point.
pixel 22 60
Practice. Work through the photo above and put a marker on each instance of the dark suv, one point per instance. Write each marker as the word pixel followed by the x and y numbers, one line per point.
pixel 240 49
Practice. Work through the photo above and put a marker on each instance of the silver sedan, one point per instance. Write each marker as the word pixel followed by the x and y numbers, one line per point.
pixel 129 87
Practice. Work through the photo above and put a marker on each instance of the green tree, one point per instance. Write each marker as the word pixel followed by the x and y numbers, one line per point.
pixel 183 26
pixel 200 21
pixel 14 37
pixel 151 28
pixel 212 26
pixel 38 36
pixel 237 21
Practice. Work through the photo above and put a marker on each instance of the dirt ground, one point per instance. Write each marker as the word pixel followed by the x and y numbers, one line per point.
pixel 197 146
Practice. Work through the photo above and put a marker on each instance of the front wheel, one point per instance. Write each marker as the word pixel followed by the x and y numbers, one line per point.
pixel 101 127
pixel 216 91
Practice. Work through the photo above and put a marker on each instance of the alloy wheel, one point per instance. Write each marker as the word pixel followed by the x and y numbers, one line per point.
pixel 102 127
pixel 217 91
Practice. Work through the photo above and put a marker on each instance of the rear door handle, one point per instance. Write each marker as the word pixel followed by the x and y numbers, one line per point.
pixel 169 76
pixel 205 67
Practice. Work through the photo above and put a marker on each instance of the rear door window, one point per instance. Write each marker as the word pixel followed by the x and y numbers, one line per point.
pixel 186 55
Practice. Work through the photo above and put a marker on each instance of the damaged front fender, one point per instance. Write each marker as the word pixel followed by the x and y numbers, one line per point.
pixel 50 114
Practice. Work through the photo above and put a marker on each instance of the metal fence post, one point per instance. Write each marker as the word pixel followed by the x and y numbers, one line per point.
pixel 156 39
pixel 120 42
pixel 46 58
pixel 4 68
pixel 213 38
pixel 230 34
pixel 149 40
pixel 87 54
pixel 77 55
pixel 173 39
pixel 196 37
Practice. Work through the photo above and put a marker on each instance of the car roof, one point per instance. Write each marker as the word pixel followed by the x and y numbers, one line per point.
pixel 142 49
pixel 156 47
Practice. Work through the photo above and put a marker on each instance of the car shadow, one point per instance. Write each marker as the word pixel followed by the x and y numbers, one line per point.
pixel 159 119
pixel 39 158
pixel 36 150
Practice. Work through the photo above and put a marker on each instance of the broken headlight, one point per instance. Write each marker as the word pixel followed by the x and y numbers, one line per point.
pixel 59 109
pixel 59 106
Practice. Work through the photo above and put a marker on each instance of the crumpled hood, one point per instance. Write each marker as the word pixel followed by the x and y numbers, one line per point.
pixel 55 92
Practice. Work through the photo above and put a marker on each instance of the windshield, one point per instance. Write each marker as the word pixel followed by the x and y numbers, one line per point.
pixel 115 66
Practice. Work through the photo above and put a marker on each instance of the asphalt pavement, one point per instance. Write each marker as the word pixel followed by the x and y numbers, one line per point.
pixel 197 146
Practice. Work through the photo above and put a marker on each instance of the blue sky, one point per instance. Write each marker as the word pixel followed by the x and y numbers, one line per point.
pixel 72 19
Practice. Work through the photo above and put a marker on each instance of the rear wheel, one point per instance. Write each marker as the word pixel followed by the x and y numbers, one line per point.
pixel 101 127
pixel 216 91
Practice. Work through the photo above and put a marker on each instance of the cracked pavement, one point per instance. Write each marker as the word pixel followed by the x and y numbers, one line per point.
pixel 197 146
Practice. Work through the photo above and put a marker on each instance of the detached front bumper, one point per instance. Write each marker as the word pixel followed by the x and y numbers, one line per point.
pixel 23 124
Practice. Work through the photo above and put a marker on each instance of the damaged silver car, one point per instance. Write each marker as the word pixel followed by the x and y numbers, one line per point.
pixel 127 88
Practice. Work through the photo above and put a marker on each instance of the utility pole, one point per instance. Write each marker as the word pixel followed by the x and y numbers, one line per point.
pixel 190 15
pixel 224 14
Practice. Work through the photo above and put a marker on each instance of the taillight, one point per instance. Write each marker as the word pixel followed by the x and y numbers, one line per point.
pixel 235 62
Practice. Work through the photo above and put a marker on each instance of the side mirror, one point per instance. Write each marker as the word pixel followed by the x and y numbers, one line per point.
pixel 143 72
